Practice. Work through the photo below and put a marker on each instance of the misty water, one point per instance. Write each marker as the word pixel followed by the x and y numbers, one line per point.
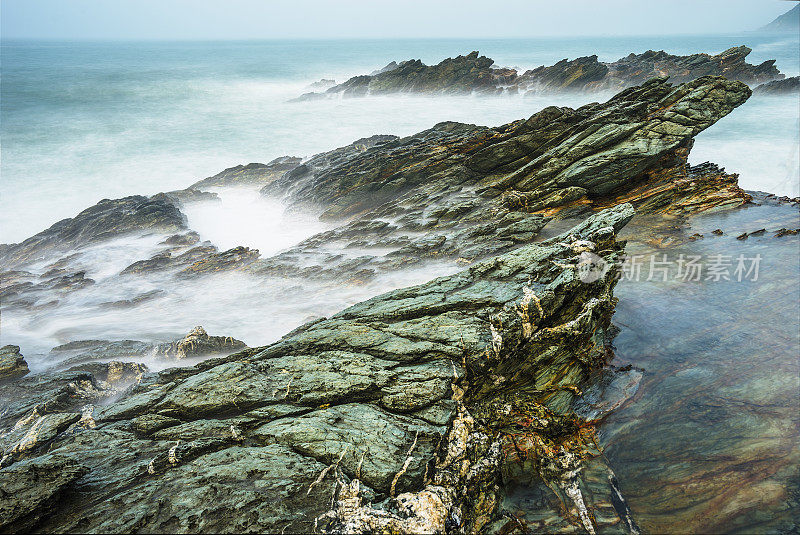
pixel 92 120
pixel 86 121
pixel 82 121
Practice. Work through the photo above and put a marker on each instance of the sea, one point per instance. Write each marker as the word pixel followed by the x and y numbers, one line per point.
pixel 708 443
pixel 83 121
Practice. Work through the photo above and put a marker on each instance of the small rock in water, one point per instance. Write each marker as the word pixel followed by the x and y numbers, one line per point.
pixel 12 364
pixel 199 344
pixel 614 388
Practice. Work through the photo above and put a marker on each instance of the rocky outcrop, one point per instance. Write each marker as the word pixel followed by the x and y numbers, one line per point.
pixel 199 344
pixel 106 220
pixel 462 74
pixel 779 87
pixel 78 355
pixel 12 365
pixel 462 192
pixel 403 409
pixel 413 410
pixel 474 73
pixel 251 174
pixel 589 74
pixel 454 193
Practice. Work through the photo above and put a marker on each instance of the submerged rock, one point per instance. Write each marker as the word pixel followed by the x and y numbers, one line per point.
pixel 411 401
pixel 465 74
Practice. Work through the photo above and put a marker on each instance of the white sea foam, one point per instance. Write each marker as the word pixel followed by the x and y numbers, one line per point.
pixel 243 216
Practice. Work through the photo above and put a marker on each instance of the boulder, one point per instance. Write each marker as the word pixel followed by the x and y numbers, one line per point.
pixel 199 344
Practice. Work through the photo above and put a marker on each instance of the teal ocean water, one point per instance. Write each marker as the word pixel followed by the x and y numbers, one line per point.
pixel 82 121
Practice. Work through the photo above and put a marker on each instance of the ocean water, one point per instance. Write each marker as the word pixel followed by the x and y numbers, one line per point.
pixel 82 121
pixel 709 443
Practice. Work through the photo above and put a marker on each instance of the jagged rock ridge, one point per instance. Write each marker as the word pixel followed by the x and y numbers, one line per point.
pixel 475 73
pixel 377 402
pixel 463 192
pixel 388 400
pixel 455 193
pixel 779 87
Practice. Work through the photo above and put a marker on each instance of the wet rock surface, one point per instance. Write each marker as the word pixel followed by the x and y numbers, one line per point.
pixel 462 192
pixel 384 402
pixel 12 365
pixel 450 195
pixel 414 411
pixel 251 174
pixel 475 73
pixel 589 74
pixel 462 74
pixel 196 344
pixel 199 344
pixel 709 440
pixel 105 220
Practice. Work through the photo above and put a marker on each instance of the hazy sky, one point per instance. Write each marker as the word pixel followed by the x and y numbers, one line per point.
pixel 275 19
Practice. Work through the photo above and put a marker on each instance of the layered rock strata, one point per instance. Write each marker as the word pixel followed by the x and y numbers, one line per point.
pixel 410 411
pixel 462 192
pixel 413 401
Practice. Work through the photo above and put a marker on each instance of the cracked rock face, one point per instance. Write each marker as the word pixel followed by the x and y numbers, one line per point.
pixel 406 401
pixel 407 412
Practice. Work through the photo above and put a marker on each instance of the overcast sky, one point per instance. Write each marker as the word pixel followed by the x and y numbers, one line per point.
pixel 277 19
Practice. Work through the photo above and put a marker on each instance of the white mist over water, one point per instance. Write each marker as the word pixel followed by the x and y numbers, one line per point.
pixel 243 216
pixel 86 121
pixel 760 140
pixel 252 308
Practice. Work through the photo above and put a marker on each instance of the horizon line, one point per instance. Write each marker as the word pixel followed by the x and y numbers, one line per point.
pixel 382 38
